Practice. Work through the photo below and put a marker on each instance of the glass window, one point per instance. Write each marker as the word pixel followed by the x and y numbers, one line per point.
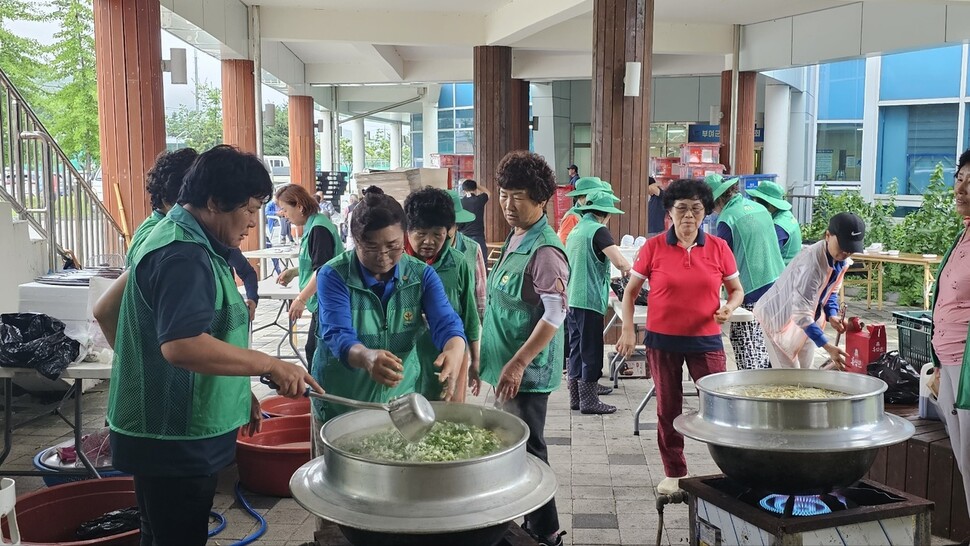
pixel 582 134
pixel 658 133
pixel 924 74
pixel 676 134
pixel 417 122
pixel 838 152
pixel 912 141
pixel 841 89
pixel 465 119
pixel 583 158
pixel 446 142
pixel 464 94
pixel 417 145
pixel 966 128
pixel 464 142
pixel 446 119
pixel 446 99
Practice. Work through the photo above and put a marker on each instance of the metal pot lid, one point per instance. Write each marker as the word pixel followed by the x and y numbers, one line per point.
pixel 890 430
pixel 311 490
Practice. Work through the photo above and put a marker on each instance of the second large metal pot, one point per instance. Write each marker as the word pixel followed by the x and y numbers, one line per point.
pixel 794 446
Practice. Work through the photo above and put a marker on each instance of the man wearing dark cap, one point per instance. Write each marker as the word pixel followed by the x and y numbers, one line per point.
pixel 573 175
pixel 805 296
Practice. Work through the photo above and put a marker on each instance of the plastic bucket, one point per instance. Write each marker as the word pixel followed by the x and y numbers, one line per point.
pixel 269 458
pixel 51 516
pixel 53 478
pixel 281 406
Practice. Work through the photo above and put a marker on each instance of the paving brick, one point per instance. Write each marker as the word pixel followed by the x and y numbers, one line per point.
pixel 594 521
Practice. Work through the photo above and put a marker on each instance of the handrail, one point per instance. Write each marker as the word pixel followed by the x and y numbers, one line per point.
pixel 46 190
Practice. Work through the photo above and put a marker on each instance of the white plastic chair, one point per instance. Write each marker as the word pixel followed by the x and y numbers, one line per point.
pixel 8 502
pixel 640 241
pixel 627 240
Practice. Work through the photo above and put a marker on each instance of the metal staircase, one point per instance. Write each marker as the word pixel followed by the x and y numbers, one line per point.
pixel 45 190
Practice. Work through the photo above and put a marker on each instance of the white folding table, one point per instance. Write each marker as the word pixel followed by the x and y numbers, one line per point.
pixel 270 290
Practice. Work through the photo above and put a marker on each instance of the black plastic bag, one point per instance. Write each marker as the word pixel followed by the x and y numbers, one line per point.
pixel 112 523
pixel 900 377
pixel 618 285
pixel 37 341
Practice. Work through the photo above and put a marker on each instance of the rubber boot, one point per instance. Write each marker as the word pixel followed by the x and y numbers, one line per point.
pixel 603 390
pixel 573 385
pixel 589 401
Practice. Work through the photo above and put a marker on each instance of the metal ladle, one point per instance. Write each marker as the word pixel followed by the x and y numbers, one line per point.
pixel 411 414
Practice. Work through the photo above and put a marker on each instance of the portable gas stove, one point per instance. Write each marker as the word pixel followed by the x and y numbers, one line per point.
pixel 723 513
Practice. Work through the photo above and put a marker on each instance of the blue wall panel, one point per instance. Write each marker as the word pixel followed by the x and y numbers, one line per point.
pixel 841 90
pixel 925 74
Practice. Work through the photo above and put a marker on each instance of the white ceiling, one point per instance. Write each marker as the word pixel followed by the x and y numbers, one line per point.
pixel 477 6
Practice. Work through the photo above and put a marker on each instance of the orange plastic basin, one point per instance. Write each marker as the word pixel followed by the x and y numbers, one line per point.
pixel 281 406
pixel 268 459
pixel 51 516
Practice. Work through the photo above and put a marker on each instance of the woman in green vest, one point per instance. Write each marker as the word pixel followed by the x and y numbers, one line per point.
pixel 318 245
pixel 180 385
pixel 749 232
pixel 469 249
pixel 522 345
pixel 592 249
pixel 789 232
pixel 371 303
pixel 430 215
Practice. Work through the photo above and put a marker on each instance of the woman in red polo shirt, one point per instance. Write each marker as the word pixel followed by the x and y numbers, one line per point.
pixel 686 269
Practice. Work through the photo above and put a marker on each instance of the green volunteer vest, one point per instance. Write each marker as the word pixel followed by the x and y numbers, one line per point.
pixel 146 227
pixel 305 263
pixel 394 329
pixel 459 284
pixel 468 248
pixel 589 277
pixel 786 221
pixel 149 397
pixel 509 320
pixel 755 244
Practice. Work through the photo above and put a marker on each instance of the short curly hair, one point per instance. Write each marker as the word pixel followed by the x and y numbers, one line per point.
pixel 523 170
pixel 164 180
pixel 964 160
pixel 429 208
pixel 689 189
pixel 229 177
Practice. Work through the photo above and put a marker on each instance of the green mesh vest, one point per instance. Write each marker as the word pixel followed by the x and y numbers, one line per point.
pixel 755 244
pixel 459 284
pixel 149 397
pixel 146 227
pixel 394 329
pixel 305 263
pixel 468 248
pixel 786 221
pixel 589 276
pixel 509 320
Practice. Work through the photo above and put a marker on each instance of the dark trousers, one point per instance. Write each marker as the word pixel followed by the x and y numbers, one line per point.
pixel 311 338
pixel 585 329
pixel 531 408
pixel 175 510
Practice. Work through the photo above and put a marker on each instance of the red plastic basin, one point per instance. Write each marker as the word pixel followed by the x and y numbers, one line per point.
pixel 51 516
pixel 281 406
pixel 268 459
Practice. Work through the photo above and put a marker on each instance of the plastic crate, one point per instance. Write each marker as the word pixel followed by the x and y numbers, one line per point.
pixel 751 181
pixel 915 338
pixel 697 171
pixel 700 153
pixel 663 167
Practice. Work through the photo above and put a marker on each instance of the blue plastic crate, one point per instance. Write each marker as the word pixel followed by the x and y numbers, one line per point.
pixel 751 181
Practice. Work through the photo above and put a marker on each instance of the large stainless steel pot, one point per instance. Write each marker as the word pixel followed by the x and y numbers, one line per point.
pixel 794 446
pixel 381 502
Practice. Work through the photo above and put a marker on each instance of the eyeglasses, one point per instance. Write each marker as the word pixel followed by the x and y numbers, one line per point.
pixel 374 250
pixel 696 210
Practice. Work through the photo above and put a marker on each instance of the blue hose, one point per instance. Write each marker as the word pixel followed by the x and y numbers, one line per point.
pixel 222 523
pixel 262 522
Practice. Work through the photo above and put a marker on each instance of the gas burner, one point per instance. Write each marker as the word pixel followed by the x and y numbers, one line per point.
pixel 803 505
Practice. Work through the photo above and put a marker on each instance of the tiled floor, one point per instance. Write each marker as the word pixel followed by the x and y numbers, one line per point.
pixel 606 474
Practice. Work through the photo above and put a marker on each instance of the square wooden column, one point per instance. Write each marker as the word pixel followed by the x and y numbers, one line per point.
pixel 131 110
pixel 239 120
pixel 622 33
pixel 302 143
pixel 747 99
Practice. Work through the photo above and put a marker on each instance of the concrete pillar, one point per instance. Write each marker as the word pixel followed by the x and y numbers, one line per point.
pixel 429 124
pixel 623 33
pixel 396 150
pixel 777 122
pixel 326 142
pixel 501 123
pixel 131 113
pixel 357 126
pixel 302 144
pixel 744 126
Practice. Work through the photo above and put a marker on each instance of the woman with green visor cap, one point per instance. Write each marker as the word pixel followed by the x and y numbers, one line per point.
pixel 584 186
pixel 789 233
pixel 469 249
pixel 591 250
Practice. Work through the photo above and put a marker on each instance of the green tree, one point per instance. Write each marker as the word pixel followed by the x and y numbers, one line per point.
pixel 21 58
pixel 72 107
pixel 198 128
pixel 276 137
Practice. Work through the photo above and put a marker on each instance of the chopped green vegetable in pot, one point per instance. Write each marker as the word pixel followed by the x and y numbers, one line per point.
pixel 446 441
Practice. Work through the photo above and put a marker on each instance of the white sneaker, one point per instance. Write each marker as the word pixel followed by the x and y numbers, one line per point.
pixel 669 486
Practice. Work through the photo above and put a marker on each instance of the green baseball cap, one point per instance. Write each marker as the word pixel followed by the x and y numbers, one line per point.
pixel 601 201
pixel 718 184
pixel 589 184
pixel 771 193
pixel 462 216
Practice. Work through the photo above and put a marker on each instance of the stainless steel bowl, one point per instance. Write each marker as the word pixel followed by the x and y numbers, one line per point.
pixel 414 498
pixel 794 446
